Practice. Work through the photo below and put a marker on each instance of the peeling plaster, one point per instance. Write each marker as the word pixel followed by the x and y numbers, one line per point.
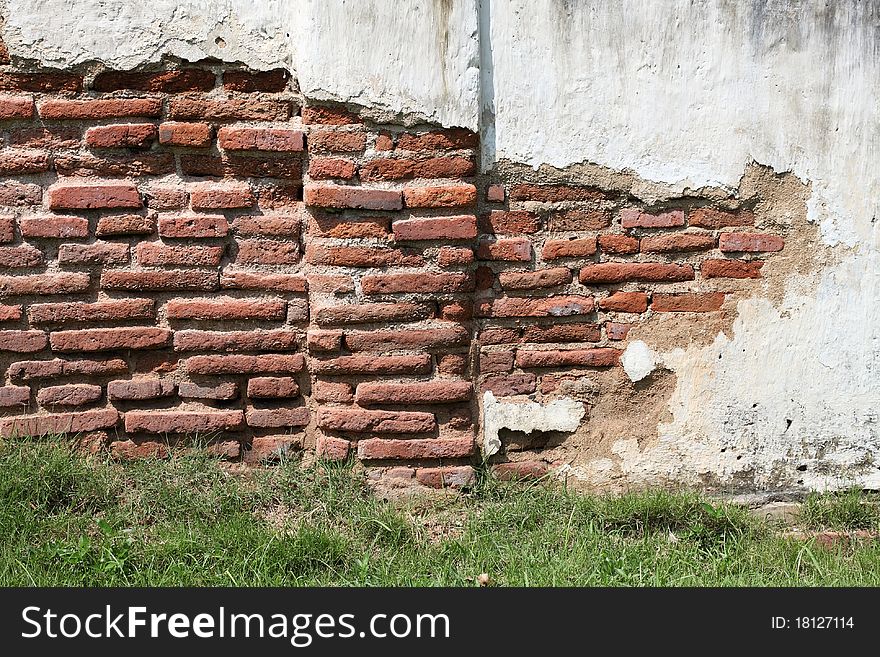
pixel 638 361
pixel 563 414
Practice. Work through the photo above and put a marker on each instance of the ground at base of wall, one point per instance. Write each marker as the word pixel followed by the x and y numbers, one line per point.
pixel 189 521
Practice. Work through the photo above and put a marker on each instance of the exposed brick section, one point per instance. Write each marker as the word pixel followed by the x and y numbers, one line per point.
pixel 109 339
pixel 517 249
pixel 240 364
pixel 100 109
pixel 461 227
pixel 428 392
pixel 12 396
pixel 252 81
pixel 618 244
pixel 449 256
pixel 328 115
pixel 406 169
pixel 109 165
pixel 272 387
pixel 236 138
pixel 18 194
pixel 182 421
pixel 209 196
pixel 625 302
pixel 495 193
pixel 712 218
pixel 360 421
pixel 324 340
pixel 191 79
pixel 125 224
pixel 69 395
pixel 157 281
pixel 518 222
pixel 554 193
pixel 16 107
pixel 328 391
pixel 230 109
pixel 98 253
pixel 372 312
pixel 324 168
pixel 229 164
pixel 334 196
pixel 50 369
pixel 152 254
pixel 507 385
pixel 601 357
pixel 731 269
pixel 520 470
pixel 43 81
pixel 375 449
pixel 20 257
pixel 140 389
pixel 558 306
pixel 330 448
pixel 632 218
pixel 687 303
pixel 461 476
pixel 277 418
pixel 613 272
pixel 362 256
pixel 54 226
pixel 19 162
pixel 7 228
pixel 186 226
pixel 677 243
pixel 337 141
pixel 226 308
pixel 220 392
pixel 438 140
pixel 235 341
pixel 192 135
pixel 562 333
pixel 574 248
pixel 10 313
pixel 131 135
pixel 22 342
pixel 90 196
pixel 533 280
pixel 370 364
pixel 445 196
pixel 424 283
pixel 58 423
pixel 407 338
pixel 245 280
pixel 267 252
pixel 43 284
pixel 750 242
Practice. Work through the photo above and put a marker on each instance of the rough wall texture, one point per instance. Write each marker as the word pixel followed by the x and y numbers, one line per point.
pixel 429 236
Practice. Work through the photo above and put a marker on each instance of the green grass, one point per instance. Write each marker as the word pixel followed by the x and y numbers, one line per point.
pixel 847 510
pixel 71 520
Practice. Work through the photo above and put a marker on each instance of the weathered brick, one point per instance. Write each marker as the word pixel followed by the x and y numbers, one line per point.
pixel 326 115
pixel 456 311
pixel 423 392
pixel 408 339
pixel 16 107
pixel 129 135
pixel 267 252
pixel 362 256
pixel 267 226
pixel 183 421
pixel 499 335
pixel 106 253
pixel 532 280
pixel 325 168
pixel 324 340
pixel 54 226
pixel 153 254
pixel 243 280
pixel 88 196
pixel 599 357
pixel 50 369
pixel 14 193
pixel 225 391
pixel 43 284
pixel 272 387
pixel 712 218
pixel 506 385
pixel 231 109
pixel 157 280
pixel 337 141
pixel 193 135
pixel 242 364
pixel 438 140
pixel 617 330
pixel 69 395
pixel 20 162
pixel 453 364
pixel 562 333
pixel 554 193
pixel 47 137
pixel 635 218
pixel 275 418
pixel 678 242
pixel 7 228
pixel 113 165
pixel 374 449
pixel 140 389
pixel 416 283
pixel 449 256
pixel 750 242
pixel 731 269
pixel 328 391
pixel 243 138
pixel 20 257
pixel 125 224
pixel 330 448
pixel 11 396
pixel 511 222
pixel 573 248
pixel 613 272
pixel 335 196
pixel 520 470
pixel 272 81
pixel 625 302
pixel 440 196
pixel 197 225
pixel 42 81
pixel 23 342
pixel 100 108
pixel 687 303
pixel 461 227
pixel 226 308
pixel 360 421
pixel 454 476
pixel 130 450
pixel 618 244
pixel 331 284
pixel 209 196
pixel 110 339
pixel 372 312
pixel 187 79
pixel 495 193
pixel 58 423
pixel 10 313
pixel 236 341
pixel 229 164
pixel 496 361
pixel 558 306
pixel 371 364
pixel 407 169
pixel 515 249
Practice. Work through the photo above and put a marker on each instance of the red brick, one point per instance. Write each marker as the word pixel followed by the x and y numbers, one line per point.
pixel 371 364
pixel 496 361
pixel 457 311
pixel 132 135
pixel 618 244
pixel 617 330
pixel 449 256
pixel 131 164
pixel 42 81
pixel 140 389
pixel 236 341
pixel 7 228
pixel 507 385
pixel 242 138
pixel 272 81
pixel 634 218
pixel 750 242
pixel 43 284
pixel 20 162
pixel 101 311
pixel 14 193
pixel 272 387
pixel 600 357
pixel 152 254
pixel 324 168
pixel 337 141
pixel 54 226
pixel 327 391
pixel 520 470
pixel 407 339
pixel 225 391
pixel 456 476
pixel 460 227
pixel 230 164
pixel 58 423
pixel 441 196
pixel 553 193
pixel 625 302
pixel 188 79
pixel 384 142
pixel 106 253
pixel 678 242
pixel 687 303
pixel 14 396
pixel 183 421
pixel 454 364
pixel 230 109
pixel 438 140
pixel 416 283
pixel 241 364
pixel 193 135
pixel 331 284
pixel 275 418
pixel 100 109
pixel 324 340
pixel 711 218
pixel 406 169
pixel 328 115
pixel 198 225
pixel 580 220
pixel 158 280
pixel 499 335
pixel 495 193
pixel 559 306
pixel 335 196
pixel 531 280
pixel 69 395
pixel 374 449
pixel 362 256
pixel 130 450
pixel 22 342
pixel 425 392
pixel 243 280
pixel 515 249
pixel 110 339
pixel 125 224
pixel 511 222
pixel 50 369
pixel 89 196
pixel 47 137
pixel 16 107
pixel 20 257
pixel 360 421
pixel 332 449
pixel 331 225
pixel 10 313
pixel 613 272
pixel 574 248
pixel 731 269
pixel 372 312
pixel 221 195
pixel 562 333
pixel 484 278
pixel 267 252
pixel 226 308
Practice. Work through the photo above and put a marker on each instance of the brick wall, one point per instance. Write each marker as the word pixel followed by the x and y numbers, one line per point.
pixel 198 256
